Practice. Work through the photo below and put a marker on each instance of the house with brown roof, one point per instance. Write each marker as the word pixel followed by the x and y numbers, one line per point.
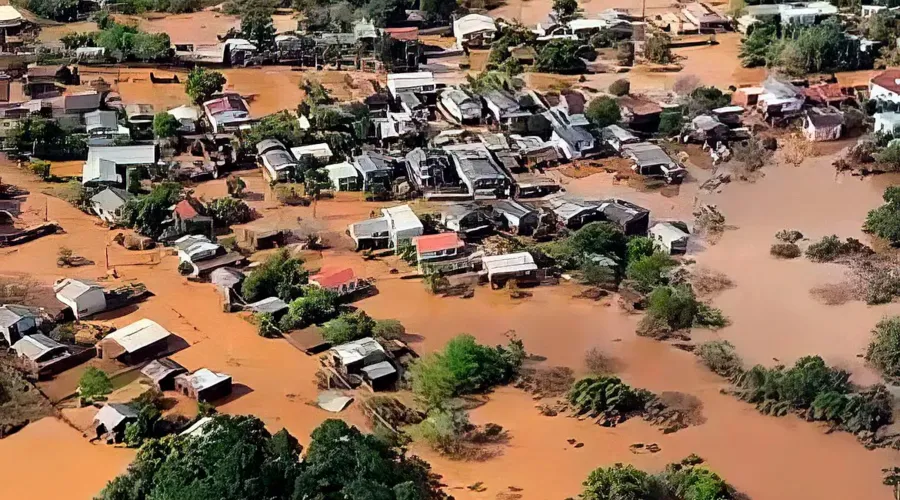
pixel 342 281
pixel 825 94
pixel 639 113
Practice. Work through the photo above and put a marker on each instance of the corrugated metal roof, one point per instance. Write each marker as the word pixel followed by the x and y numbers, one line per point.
pixel 205 378
pixel 355 351
pixel 35 346
pixel 509 263
pixel 138 335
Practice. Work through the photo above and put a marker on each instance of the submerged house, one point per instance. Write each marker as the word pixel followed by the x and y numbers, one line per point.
pixel 367 358
pixel 17 321
pixel 617 137
pixel 203 385
pixel 823 124
pixel 639 113
pixel 84 298
pixel 274 156
pixel 779 99
pixel 515 217
pixel 502 268
pixel 431 169
pixel 42 356
pixel 343 176
pixel 631 219
pixel 342 281
pixel 474 31
pixel 141 340
pixel 505 111
pixel 162 373
pixel 461 106
pixel 478 171
pixel 376 170
pixel 103 128
pixel 651 160
pixel 110 164
pixel 396 226
pixel 227 113
pixel 669 237
pixel 108 204
pixel 573 213
pixel 442 253
pixel 111 420
pixel 468 219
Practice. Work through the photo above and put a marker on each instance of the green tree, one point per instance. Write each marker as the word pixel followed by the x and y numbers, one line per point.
pixel 649 271
pixel 620 87
pixel 640 246
pixel 229 211
pixel 884 221
pixel 282 126
pixel 720 357
pixel 40 168
pixel 702 100
pixel 315 181
pixel 148 214
pixel 347 327
pixel 560 56
pixel 884 350
pixel 280 275
pixel 316 306
pixel 202 83
pixel 165 125
pixel 620 482
pixel 388 329
pixel 759 48
pixel 566 10
pixel 603 111
pixel 258 28
pixel 150 46
pixel 384 12
pixel 94 385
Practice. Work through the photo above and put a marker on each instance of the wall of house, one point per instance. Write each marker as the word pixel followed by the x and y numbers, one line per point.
pixel 879 92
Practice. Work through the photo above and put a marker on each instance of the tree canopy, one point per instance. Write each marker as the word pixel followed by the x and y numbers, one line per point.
pixel 148 214
pixel 884 221
pixel 884 350
pixel 165 125
pixel 202 83
pixel 560 56
pixel 94 384
pixel 280 275
pixel 603 111
pixel 237 459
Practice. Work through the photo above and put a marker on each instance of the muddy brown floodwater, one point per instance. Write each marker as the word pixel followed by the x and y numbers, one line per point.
pixel 772 312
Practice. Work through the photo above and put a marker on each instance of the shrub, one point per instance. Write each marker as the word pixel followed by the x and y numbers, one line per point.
pixel 640 246
pixel 464 367
pixel 603 111
pixel 388 329
pixel 884 350
pixel 201 84
pixel 266 325
pixel 830 248
pixel 673 308
pixel 720 357
pixel 670 123
pixel 648 272
pixel 316 306
pixel 94 385
pixel 620 482
pixel 789 235
pixel 607 395
pixel 40 168
pixel 884 221
pixel 281 275
pixel 597 274
pixel 348 327
pixel 620 87
pixel 785 250
pixel 689 482
pixel 560 56
pixel 656 48
pixel 149 214
pixel 165 125
pixel 229 211
pixel 597 362
pixel 444 429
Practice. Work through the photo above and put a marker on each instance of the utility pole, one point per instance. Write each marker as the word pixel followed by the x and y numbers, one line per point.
pixel 643 10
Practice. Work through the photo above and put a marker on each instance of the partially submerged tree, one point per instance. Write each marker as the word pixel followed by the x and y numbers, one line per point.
pixel 566 10
pixel 884 350
pixel 148 214
pixel 229 211
pixel 202 83
pixel 281 275
pixel 165 125
pixel 656 48
pixel 603 111
pixel 560 56
pixel 94 385
pixel 884 221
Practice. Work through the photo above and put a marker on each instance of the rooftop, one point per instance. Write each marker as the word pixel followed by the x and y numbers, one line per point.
pixel 204 378
pixel 509 263
pixel 355 351
pixel 161 368
pixel 71 288
pixel 401 217
pixel 11 314
pixel 138 335
pixel 333 277
pixel 437 242
pixel 36 346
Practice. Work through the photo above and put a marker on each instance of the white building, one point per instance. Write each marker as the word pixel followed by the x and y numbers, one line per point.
pixel 509 265
pixel 108 204
pixel 227 113
pixel 669 238
pixel 422 81
pixel 474 30
pixel 344 176
pixel 84 298
pixel 187 116
pixel 887 123
pixel 885 86
pixel 461 106
pixel 403 224
pixel 193 248
pixel 318 151
pixel 103 162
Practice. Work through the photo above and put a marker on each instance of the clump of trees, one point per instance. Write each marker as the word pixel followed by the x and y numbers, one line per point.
pixel 563 57
pixel 657 48
pixel 165 125
pixel 884 350
pixel 800 50
pixel 229 211
pixel 94 385
pixel 127 42
pixel 720 357
pixel 812 389
pixel 464 367
pixel 785 250
pixel 202 83
pixel 671 308
pixel 648 271
pixel 238 458
pixel 685 480
pixel 280 275
pixel 831 248
pixel 884 221
pixel 46 139
pixel 148 214
pixel 608 396
pixel 315 306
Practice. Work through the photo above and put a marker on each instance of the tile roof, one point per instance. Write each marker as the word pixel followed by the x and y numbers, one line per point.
pixel 436 242
pixel 332 277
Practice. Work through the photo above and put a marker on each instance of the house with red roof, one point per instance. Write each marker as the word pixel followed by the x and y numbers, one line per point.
pixel 443 252
pixel 188 219
pixel 342 281
pixel 885 86
pixel 228 112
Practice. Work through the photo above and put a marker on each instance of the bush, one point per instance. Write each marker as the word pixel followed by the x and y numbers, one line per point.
pixel 785 250
pixel 316 306
pixel 266 325
pixel 165 125
pixel 889 157
pixel 279 276
pixel 444 430
pixel 348 327
pixel 40 168
pixel 884 221
pixel 648 272
pixel 640 246
pixel 608 396
pixel 603 111
pixel 670 123
pixel 620 87
pixel 884 350
pixel 673 308
pixel 597 362
pixel 597 238
pixel 830 248
pixel 598 274
pixel 789 235
pixel 229 211
pixel 720 357
pixel 94 385
pixel 689 482
pixel 201 84
pixel 560 56
pixel 621 482
pixel 464 367
pixel 149 214
pixel 388 329
pixel 656 48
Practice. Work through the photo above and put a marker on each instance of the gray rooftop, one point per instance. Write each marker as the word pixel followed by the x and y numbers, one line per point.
pixel 370 161
pixel 475 161
pixel 11 314
pixel 161 368
pixel 268 144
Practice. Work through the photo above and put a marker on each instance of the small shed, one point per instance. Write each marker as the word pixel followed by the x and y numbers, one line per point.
pixel 108 204
pixel 162 373
pixel 226 277
pixel 353 356
pixel 631 219
pixel 204 385
pixel 318 151
pixel 270 305
pixel 17 321
pixel 110 421
pixel 380 376
pixel 823 124
pixel 138 341
pixel 344 176
pixel 502 268
pixel 617 137
pixel 669 237
pixel 85 298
